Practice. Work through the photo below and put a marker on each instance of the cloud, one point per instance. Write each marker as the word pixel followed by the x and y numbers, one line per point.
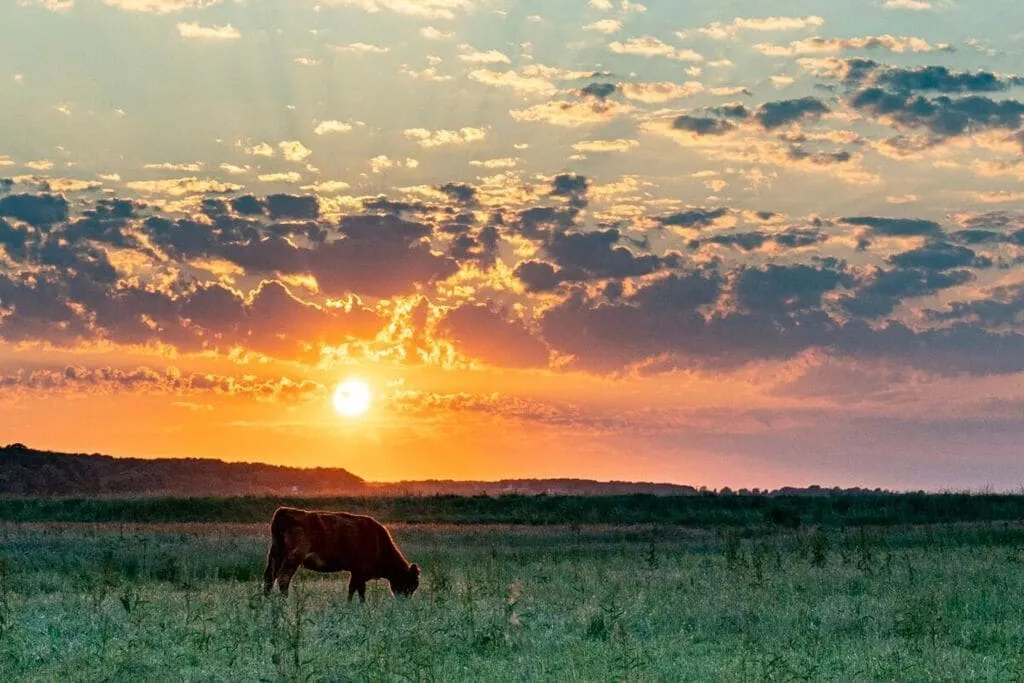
pixel 440 138
pixel 896 227
pixel 684 288
pixel 194 167
pixel 502 162
pixel 331 126
pixel 722 31
pixel 381 163
pixel 40 210
pixel 293 150
pixel 59 6
pixel 361 49
pixel 649 46
pixel 943 116
pixel 486 334
pixel 471 56
pixel 606 26
pixel 772 115
pixel 424 9
pixel 286 177
pixel 520 82
pixel 938 255
pixel 572 114
pixel 179 187
pixel 859 71
pixel 431 33
pixel 600 146
pixel 160 6
pixel 810 46
pixel 916 5
pixel 260 150
pixel 653 93
pixel 77 379
pixel 194 30
pixel 328 187
pixel 292 206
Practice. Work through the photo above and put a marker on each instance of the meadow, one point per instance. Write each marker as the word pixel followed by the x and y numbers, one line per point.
pixel 90 601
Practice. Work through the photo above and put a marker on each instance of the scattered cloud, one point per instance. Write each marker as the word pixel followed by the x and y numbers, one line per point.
pixel 194 30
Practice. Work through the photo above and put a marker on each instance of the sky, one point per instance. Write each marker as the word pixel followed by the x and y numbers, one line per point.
pixel 745 244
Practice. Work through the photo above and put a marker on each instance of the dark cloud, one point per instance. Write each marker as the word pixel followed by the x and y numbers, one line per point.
pixel 114 208
pixel 744 241
pixel 880 291
pixel 378 256
pixel 935 78
pixel 694 218
pixel 292 206
pixel 735 110
pixel 896 227
pixel 976 236
pixel 40 210
pixel 572 186
pixel 460 192
pixel 1003 306
pixel 538 222
pixel 599 90
pixel 751 241
pixel 702 125
pixel 937 255
pixel 941 79
pixel 772 115
pixel 486 334
pixel 796 238
pixel 596 255
pixel 657 318
pixel 13 240
pixel 784 288
pixel 538 276
pixel 797 153
pixel 248 205
pixel 617 303
pixel 943 116
pixel 392 206
pixel 659 326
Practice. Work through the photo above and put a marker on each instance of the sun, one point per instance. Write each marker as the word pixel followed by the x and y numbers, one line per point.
pixel 352 398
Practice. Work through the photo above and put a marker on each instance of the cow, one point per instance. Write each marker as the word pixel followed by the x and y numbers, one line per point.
pixel 335 542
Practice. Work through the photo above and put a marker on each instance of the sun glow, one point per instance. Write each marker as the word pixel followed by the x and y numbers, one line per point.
pixel 352 398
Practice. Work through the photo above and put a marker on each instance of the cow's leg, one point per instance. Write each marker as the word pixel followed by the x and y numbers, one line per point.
pixel 285 572
pixel 357 584
pixel 273 564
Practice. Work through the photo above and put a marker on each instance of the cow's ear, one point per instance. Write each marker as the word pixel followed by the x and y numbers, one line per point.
pixel 415 569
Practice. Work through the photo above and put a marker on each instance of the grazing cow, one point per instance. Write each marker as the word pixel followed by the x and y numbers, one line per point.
pixel 335 542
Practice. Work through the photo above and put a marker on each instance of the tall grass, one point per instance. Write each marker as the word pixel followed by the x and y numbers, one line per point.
pixel 941 603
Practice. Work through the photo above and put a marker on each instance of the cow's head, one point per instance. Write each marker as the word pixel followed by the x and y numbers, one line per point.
pixel 406 583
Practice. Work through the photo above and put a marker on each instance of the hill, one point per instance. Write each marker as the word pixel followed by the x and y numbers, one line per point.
pixel 29 473
pixel 26 472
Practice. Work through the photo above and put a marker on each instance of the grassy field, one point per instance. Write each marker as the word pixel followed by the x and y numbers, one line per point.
pixel 183 602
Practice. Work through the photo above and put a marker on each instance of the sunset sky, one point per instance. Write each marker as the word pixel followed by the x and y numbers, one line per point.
pixel 744 243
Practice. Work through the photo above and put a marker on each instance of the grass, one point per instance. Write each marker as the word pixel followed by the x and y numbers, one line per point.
pixel 95 602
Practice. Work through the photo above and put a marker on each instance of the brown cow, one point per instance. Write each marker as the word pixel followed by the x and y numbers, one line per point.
pixel 335 542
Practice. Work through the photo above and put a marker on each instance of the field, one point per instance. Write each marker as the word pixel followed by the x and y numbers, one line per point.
pixel 84 601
